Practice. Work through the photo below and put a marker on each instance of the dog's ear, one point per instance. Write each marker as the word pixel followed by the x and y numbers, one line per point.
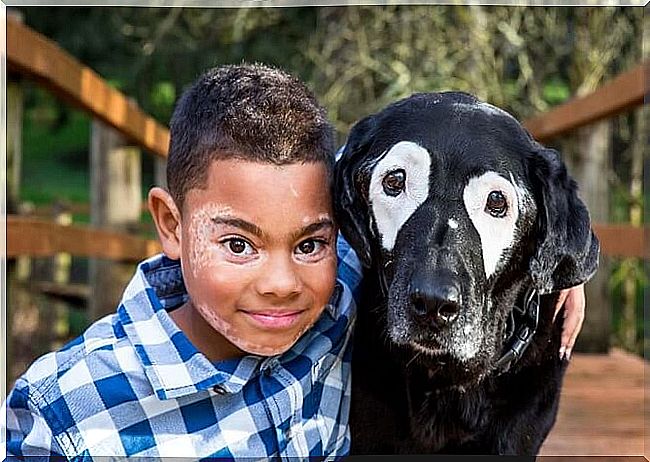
pixel 350 179
pixel 567 250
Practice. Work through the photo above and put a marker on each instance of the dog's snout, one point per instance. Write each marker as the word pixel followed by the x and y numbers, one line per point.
pixel 435 299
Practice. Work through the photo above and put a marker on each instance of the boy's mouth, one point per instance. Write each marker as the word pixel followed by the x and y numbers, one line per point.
pixel 274 319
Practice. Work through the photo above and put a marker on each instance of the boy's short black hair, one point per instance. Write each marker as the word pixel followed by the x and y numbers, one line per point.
pixel 249 111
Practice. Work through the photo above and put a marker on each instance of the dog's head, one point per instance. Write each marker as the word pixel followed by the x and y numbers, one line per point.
pixel 457 208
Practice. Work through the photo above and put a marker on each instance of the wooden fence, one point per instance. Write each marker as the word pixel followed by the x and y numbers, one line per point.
pixel 31 55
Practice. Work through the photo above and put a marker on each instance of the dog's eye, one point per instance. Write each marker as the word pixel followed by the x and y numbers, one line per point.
pixel 496 204
pixel 394 182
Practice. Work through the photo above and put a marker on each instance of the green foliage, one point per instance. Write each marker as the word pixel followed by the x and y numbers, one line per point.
pixel 162 97
pixel 628 323
pixel 556 92
pixel 52 168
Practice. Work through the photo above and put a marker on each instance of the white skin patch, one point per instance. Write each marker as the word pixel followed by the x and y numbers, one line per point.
pixel 321 217
pixel 496 233
pixel 453 224
pixel 202 228
pixel 226 329
pixel 390 212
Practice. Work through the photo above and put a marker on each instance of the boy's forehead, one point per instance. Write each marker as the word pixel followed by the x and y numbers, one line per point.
pixel 248 173
pixel 263 188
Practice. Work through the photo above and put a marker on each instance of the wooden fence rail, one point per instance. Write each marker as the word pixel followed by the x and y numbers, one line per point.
pixel 39 238
pixel 42 238
pixel 31 54
pixel 619 95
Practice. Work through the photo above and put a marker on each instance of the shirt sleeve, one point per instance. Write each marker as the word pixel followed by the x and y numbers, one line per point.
pixel 25 430
pixel 349 271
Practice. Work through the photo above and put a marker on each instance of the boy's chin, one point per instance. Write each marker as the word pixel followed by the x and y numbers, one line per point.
pixel 261 350
pixel 270 348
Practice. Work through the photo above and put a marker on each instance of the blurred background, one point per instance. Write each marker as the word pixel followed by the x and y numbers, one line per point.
pixel 357 59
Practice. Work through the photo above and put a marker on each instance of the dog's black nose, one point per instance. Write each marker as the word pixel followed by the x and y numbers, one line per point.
pixel 438 300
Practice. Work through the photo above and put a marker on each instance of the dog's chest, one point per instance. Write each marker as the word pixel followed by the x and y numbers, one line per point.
pixel 442 419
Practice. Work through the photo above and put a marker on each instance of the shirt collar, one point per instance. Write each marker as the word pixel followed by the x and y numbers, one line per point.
pixel 172 364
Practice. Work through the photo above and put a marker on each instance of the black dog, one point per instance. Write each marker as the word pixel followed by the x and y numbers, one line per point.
pixel 466 228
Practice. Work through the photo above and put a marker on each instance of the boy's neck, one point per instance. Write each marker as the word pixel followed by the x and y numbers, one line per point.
pixel 208 341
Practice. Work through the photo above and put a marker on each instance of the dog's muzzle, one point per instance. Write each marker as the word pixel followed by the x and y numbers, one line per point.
pixel 436 298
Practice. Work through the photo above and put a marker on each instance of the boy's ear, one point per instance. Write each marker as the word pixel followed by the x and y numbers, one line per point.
pixel 168 221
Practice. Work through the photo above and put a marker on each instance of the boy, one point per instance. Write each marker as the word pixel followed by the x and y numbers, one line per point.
pixel 236 342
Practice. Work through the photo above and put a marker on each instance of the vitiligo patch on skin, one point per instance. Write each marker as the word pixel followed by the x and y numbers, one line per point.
pixel 496 233
pixel 229 332
pixel 321 218
pixel 202 230
pixel 391 212
pixel 524 199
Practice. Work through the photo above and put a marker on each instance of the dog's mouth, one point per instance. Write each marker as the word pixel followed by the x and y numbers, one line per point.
pixel 460 351
pixel 445 366
pixel 431 348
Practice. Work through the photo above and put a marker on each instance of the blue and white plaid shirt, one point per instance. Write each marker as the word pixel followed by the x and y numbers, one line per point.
pixel 133 385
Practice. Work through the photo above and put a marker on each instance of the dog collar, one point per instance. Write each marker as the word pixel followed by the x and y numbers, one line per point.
pixel 523 321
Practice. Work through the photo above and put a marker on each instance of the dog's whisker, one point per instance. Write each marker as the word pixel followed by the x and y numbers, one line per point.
pixel 413 358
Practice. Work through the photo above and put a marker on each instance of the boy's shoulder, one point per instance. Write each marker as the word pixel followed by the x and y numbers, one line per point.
pixel 101 352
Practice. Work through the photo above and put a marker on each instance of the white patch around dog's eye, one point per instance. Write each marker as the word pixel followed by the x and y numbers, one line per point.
pixel 398 186
pixel 493 206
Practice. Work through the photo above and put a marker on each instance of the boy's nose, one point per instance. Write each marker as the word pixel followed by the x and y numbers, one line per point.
pixel 279 278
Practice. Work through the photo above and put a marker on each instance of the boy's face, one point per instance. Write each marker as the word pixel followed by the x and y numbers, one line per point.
pixel 258 253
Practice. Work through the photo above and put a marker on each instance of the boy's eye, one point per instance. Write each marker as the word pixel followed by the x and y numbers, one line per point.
pixel 310 246
pixel 307 246
pixel 239 247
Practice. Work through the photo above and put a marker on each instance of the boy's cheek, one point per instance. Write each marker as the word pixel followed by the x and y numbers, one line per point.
pixel 322 278
pixel 199 247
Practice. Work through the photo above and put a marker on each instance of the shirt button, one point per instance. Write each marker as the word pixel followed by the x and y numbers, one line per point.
pixel 219 389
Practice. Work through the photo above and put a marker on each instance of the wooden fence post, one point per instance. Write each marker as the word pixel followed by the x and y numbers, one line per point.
pixel 116 189
pixel 590 166
pixel 61 265
pixel 14 132
pixel 14 143
pixel 160 172
pixel 21 267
